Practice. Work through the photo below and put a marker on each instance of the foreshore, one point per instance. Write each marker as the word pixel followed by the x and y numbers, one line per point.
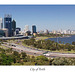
pixel 45 37
pixel 42 38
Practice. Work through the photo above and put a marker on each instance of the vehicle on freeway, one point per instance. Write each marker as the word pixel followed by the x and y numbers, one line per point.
pixel 13 45
pixel 46 54
pixel 34 53
pixel 22 50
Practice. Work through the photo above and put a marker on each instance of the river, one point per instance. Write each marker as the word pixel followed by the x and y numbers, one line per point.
pixel 64 39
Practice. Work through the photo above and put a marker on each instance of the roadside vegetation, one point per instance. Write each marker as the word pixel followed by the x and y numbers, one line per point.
pixel 10 57
pixel 50 45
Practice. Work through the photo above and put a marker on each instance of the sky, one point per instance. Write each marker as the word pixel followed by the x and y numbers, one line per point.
pixel 51 17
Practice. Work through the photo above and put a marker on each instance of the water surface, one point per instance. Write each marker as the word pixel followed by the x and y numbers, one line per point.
pixel 64 39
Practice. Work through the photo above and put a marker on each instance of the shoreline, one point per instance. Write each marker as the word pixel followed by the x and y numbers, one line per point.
pixel 45 37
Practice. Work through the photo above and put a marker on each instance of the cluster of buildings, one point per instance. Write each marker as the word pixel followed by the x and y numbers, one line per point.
pixel 57 31
pixel 8 29
pixel 27 32
pixel 43 31
pixel 64 31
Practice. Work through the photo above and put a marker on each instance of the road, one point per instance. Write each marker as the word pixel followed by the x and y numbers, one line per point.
pixel 21 48
pixel 37 52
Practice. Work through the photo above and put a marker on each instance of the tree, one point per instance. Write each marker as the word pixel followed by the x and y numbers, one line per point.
pixel 42 58
pixel 60 61
pixel 0 60
pixel 14 59
pixel 15 53
pixel 28 32
pixel 23 55
pixel 73 43
pixel 32 40
pixel 6 59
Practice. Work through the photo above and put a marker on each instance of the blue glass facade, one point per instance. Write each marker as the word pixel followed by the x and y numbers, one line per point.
pixel 33 29
pixel 8 24
pixel 13 27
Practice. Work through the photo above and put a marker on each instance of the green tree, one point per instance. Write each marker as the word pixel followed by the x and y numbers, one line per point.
pixel 15 53
pixel 23 54
pixel 73 43
pixel 59 61
pixel 42 58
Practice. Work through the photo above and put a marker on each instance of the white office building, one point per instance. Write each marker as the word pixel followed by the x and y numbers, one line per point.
pixel 26 28
pixel 1 23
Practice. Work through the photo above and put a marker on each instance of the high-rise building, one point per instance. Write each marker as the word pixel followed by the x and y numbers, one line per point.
pixel 33 29
pixel 6 32
pixel 46 31
pixel 1 23
pixel 2 33
pixel 8 24
pixel 13 27
pixel 26 28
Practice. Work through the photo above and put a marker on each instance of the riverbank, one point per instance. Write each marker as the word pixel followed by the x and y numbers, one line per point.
pixel 42 38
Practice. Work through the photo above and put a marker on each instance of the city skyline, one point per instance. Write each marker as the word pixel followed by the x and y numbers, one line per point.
pixel 51 17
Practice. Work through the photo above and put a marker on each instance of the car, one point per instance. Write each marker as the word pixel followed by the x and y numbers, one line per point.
pixel 13 45
pixel 46 54
pixel 21 50
pixel 34 53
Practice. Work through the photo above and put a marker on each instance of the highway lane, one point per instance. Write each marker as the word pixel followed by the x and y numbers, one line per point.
pixel 29 51
pixel 60 55
pixel 37 52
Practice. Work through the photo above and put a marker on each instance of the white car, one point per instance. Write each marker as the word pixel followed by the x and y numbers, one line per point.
pixel 46 54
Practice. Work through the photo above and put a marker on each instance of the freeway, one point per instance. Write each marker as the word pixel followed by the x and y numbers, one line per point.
pixel 21 48
pixel 51 54
pixel 37 52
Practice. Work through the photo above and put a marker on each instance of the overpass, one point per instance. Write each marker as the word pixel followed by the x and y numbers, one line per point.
pixel 19 37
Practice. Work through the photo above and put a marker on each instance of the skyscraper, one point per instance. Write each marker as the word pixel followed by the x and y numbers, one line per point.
pixel 26 28
pixel 1 23
pixel 13 27
pixel 8 24
pixel 33 29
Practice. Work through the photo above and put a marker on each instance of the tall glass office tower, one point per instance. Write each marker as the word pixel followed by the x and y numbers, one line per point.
pixel 8 24
pixel 33 29
pixel 13 27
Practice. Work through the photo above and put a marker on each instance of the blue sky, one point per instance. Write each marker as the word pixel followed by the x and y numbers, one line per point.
pixel 51 17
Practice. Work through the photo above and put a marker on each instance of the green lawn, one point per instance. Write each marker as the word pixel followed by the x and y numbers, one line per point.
pixel 41 38
pixel 3 47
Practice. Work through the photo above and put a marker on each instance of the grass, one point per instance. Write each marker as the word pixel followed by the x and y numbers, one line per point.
pixel 41 38
pixel 26 45
pixel 3 47
pixel 63 51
